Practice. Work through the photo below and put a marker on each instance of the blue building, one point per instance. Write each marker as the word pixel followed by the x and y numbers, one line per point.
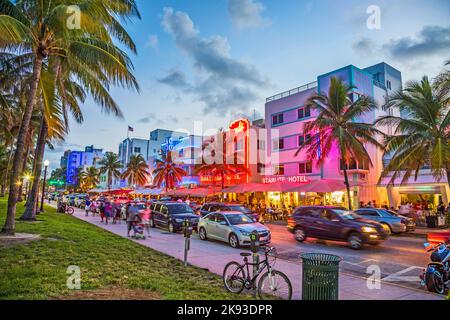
pixel 79 160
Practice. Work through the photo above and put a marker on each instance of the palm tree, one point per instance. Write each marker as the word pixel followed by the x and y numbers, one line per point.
pixel 89 178
pixel 336 128
pixel 110 165
pixel 221 169
pixel 136 171
pixel 40 28
pixel 167 172
pixel 422 138
pixel 442 81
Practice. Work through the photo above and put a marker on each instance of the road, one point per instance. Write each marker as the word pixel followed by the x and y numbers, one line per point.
pixel 400 259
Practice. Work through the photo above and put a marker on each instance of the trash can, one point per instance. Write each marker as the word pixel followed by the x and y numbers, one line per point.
pixel 320 276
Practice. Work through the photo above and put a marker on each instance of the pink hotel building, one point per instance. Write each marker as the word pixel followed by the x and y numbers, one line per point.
pixel 286 115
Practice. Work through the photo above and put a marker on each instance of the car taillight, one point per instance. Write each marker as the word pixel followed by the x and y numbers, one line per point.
pixel 290 221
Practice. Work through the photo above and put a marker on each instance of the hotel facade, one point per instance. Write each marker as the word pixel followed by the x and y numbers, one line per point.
pixel 286 115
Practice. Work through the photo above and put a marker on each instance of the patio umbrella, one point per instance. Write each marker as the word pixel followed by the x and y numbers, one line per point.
pixel 244 188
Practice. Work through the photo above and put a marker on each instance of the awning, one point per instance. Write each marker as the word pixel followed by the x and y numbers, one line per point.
pixel 194 192
pixel 110 191
pixel 243 188
pixel 322 186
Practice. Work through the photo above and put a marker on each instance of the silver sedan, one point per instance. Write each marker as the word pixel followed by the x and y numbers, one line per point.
pixel 233 227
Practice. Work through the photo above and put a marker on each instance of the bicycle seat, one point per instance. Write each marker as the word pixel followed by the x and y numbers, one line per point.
pixel 245 254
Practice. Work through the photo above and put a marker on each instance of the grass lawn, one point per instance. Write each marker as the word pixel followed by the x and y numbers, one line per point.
pixel 111 266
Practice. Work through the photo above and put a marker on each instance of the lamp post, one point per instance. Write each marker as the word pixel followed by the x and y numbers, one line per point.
pixel 27 179
pixel 46 163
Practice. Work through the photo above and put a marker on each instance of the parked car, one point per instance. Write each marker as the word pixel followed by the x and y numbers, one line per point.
pixel 392 222
pixel 335 223
pixel 170 215
pixel 233 227
pixel 224 207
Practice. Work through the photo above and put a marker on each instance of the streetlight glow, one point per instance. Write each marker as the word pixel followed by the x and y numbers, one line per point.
pixel 46 163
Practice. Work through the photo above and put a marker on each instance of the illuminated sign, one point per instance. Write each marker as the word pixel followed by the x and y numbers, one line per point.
pixel 219 178
pixel 239 126
pixel 293 179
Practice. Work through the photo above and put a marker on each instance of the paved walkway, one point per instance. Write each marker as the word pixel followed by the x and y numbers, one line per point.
pixel 214 256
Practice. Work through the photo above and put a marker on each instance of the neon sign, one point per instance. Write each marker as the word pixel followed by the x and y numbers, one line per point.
pixel 292 179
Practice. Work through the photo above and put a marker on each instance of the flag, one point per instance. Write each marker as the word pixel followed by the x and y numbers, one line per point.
pixel 130 129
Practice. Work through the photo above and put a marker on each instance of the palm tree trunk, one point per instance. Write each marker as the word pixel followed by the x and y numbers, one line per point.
pixel 9 226
pixel 347 186
pixel 5 177
pixel 223 185
pixel 31 205
pixel 24 167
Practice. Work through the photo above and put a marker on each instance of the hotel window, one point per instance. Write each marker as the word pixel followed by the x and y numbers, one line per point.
pixel 277 119
pixel 305 167
pixel 181 153
pixel 261 145
pixel 278 170
pixel 137 150
pixel 260 168
pixel 388 84
pixel 304 139
pixel 278 144
pixel 304 112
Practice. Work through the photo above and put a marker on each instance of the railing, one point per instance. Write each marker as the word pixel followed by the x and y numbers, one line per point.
pixel 292 91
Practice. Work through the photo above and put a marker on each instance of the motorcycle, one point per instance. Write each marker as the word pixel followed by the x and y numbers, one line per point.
pixel 437 275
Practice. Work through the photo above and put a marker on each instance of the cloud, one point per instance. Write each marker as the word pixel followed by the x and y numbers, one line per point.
pixel 431 40
pixel 364 46
pixel 246 14
pixel 222 83
pixel 152 41
pixel 153 118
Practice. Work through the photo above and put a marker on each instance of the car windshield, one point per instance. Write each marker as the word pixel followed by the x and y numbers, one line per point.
pixel 345 214
pixel 178 208
pixel 236 219
pixel 240 209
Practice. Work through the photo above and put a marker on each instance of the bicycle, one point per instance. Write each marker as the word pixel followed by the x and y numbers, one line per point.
pixel 271 284
pixel 68 209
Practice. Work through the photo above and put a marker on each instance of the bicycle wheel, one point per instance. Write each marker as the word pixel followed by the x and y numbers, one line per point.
pixel 70 210
pixel 234 277
pixel 274 286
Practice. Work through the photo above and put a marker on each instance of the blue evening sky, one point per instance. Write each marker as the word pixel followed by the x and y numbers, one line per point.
pixel 213 60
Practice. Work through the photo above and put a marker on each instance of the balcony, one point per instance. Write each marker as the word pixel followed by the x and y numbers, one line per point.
pixel 292 91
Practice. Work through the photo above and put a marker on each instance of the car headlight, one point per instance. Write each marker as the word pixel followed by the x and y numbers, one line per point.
pixel 245 233
pixel 368 229
pixel 179 220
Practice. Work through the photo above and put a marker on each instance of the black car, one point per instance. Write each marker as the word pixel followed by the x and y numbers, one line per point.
pixel 170 215
pixel 223 207
pixel 335 223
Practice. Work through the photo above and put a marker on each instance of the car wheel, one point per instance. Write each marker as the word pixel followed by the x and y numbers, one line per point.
pixel 233 241
pixel 387 228
pixel 299 234
pixel 152 223
pixel 171 227
pixel 202 233
pixel 355 241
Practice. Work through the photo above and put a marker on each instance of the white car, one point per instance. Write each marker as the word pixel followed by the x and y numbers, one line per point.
pixel 233 227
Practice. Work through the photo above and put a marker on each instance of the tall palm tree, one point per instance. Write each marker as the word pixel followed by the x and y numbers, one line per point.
pixel 110 165
pixel 422 138
pixel 442 81
pixel 167 172
pixel 40 28
pixel 136 171
pixel 336 127
pixel 89 178
pixel 221 168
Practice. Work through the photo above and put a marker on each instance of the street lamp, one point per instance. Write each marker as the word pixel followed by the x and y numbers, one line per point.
pixel 46 163
pixel 27 179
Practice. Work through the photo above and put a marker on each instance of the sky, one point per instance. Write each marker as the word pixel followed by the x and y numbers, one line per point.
pixel 216 60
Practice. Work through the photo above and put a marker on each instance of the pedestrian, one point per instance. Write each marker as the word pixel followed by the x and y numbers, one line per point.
pixel 132 212
pixel 87 206
pixel 102 211
pixel 108 211
pixel 145 218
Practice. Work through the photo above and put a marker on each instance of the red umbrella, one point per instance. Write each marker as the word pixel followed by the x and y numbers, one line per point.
pixel 323 186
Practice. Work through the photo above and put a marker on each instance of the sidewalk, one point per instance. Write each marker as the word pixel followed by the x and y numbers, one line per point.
pixel 213 256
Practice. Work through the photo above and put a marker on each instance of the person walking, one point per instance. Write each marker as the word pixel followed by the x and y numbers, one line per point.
pixel 145 218
pixel 108 211
pixel 102 211
pixel 132 212
pixel 87 206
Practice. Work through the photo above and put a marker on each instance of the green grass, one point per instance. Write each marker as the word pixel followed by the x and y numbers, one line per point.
pixel 37 270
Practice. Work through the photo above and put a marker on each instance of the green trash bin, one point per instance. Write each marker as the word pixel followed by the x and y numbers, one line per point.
pixel 320 276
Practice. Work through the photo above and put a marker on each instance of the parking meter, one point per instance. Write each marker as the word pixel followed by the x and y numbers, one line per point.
pixel 254 245
pixel 254 241
pixel 187 231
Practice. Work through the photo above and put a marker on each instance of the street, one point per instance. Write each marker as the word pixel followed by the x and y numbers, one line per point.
pixel 397 256
pixel 401 259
